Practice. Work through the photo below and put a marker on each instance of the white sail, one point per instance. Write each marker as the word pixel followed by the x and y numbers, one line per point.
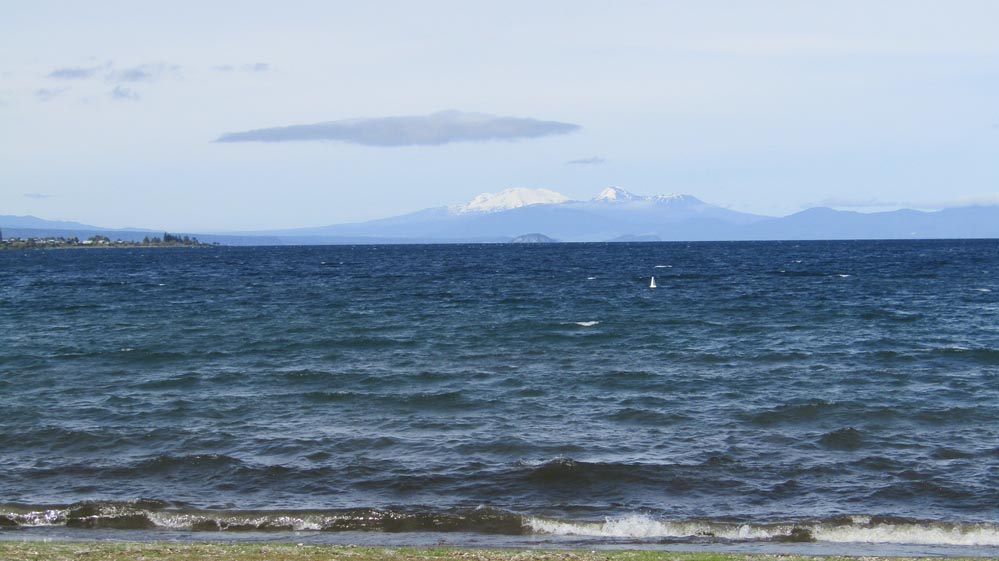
pixel 653 283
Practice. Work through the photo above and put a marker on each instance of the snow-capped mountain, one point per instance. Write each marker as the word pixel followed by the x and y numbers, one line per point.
pixel 615 213
pixel 616 195
pixel 509 199
pixel 622 195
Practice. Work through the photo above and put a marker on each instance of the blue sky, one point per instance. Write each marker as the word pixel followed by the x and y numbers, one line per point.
pixel 141 114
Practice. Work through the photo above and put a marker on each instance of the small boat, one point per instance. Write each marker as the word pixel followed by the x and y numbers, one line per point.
pixel 653 283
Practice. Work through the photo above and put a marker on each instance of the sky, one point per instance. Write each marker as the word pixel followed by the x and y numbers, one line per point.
pixel 228 116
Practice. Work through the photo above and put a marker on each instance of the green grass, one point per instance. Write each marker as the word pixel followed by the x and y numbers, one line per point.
pixel 170 551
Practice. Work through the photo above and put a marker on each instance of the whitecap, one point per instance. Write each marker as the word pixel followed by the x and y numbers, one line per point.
pixel 910 533
pixel 861 530
pixel 664 266
pixel 640 526
pixel 586 323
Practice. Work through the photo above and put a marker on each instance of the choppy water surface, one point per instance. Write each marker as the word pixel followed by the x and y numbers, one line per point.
pixel 830 391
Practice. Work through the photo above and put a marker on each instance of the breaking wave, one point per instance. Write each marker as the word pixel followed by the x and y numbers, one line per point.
pixel 852 529
pixel 144 514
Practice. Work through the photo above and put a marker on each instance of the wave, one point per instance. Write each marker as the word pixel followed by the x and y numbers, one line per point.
pixel 851 529
pixel 146 514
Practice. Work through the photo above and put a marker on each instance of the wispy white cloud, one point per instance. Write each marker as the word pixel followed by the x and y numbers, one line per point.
pixel 48 94
pixel 145 72
pixel 592 160
pixel 983 199
pixel 124 94
pixel 250 67
pixel 853 202
pixel 37 196
pixel 873 203
pixel 423 130
pixel 74 73
pixel 824 44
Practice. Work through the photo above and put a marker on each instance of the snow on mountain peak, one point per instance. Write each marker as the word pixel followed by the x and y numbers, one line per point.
pixel 619 194
pixel 509 199
pixel 676 198
pixel 612 194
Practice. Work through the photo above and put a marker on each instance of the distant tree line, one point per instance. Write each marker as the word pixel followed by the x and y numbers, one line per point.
pixel 170 239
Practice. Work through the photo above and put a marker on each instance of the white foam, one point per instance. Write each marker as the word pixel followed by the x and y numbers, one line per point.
pixel 639 526
pixel 53 517
pixel 920 534
pixel 860 531
pixel 186 521
pixel 842 276
pixel 664 266
pixel 983 290
pixel 586 323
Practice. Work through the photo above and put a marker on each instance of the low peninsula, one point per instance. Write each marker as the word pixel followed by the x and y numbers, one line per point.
pixel 101 241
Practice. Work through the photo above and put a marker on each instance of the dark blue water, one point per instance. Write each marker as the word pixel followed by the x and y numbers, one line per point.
pixel 831 391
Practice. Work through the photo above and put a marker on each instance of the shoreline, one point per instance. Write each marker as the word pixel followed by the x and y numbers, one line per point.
pixel 272 551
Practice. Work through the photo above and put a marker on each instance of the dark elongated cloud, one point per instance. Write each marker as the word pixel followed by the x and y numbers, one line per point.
pixel 422 130
pixel 591 161
pixel 74 73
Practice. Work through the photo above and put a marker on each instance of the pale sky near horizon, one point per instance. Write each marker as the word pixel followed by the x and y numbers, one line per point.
pixel 110 111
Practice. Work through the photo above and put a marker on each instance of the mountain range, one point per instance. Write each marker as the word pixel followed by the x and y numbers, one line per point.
pixel 614 214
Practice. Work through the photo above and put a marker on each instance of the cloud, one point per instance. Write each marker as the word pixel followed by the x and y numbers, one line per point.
pixel 851 202
pixel 46 94
pixel 591 161
pixel 252 67
pixel 422 130
pixel 145 72
pixel 37 196
pixel 124 94
pixel 74 73
pixel 984 199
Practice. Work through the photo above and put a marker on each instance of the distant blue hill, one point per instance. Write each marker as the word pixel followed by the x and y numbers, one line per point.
pixel 613 215
pixel 829 224
pixel 618 215
pixel 9 222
